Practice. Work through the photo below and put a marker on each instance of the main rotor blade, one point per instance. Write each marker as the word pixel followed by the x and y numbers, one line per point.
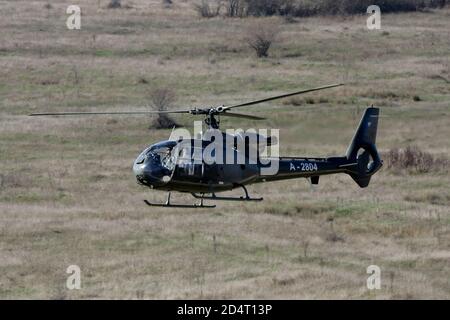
pixel 106 113
pixel 240 115
pixel 282 96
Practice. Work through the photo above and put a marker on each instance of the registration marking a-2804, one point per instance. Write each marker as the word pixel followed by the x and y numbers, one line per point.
pixel 304 166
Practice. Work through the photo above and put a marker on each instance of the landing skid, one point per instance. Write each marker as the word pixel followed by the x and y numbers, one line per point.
pixel 170 205
pixel 219 198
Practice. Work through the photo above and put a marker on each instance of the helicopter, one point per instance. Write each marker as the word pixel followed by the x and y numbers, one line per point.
pixel 179 165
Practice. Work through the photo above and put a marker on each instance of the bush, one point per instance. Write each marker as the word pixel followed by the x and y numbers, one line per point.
pixel 208 9
pixel 269 7
pixel 260 38
pixel 303 8
pixel 114 4
pixel 342 7
pixel 414 160
pixel 161 100
pixel 242 8
pixel 236 8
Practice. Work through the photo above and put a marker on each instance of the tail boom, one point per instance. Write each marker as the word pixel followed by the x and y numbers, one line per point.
pixel 361 160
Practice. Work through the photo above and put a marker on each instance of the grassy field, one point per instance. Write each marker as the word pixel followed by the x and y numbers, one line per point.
pixel 68 195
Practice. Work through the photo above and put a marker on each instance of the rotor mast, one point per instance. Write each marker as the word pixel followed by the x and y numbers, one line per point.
pixel 212 122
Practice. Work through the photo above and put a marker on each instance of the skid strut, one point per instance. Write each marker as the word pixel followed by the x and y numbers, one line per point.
pixel 170 205
pixel 213 196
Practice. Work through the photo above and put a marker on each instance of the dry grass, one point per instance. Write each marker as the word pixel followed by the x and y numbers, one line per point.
pixel 68 195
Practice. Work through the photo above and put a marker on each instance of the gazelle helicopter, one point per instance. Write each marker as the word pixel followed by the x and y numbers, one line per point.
pixel 173 165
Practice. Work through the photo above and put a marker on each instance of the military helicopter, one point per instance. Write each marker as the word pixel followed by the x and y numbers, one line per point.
pixel 179 164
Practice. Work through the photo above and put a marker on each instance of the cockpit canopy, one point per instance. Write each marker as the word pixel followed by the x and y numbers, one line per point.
pixel 159 153
pixel 156 164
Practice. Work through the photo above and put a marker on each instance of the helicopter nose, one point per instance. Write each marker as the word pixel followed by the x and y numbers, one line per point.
pixel 138 169
pixel 146 174
pixel 142 173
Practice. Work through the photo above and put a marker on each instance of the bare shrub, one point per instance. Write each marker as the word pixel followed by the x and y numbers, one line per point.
pixel 13 180
pixel 270 7
pixel 303 8
pixel 260 38
pixel 208 8
pixel 295 101
pixel 333 237
pixel 167 4
pixel 323 7
pixel 236 8
pixel 414 160
pixel 162 99
pixel 335 7
pixel 243 8
pixel 115 4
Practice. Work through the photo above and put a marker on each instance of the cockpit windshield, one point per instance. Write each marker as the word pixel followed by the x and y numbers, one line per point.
pixel 165 156
pixel 160 154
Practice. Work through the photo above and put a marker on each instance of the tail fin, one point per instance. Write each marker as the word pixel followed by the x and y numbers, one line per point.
pixel 362 150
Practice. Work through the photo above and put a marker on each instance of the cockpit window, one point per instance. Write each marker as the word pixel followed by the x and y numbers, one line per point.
pixel 142 157
pixel 165 156
pixel 162 154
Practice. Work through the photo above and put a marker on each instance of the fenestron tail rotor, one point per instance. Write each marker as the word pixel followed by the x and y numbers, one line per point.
pixel 208 112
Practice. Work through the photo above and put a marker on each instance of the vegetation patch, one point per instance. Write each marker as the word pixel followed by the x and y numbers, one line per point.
pixel 414 160
pixel 307 209
pixel 437 198
pixel 305 8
